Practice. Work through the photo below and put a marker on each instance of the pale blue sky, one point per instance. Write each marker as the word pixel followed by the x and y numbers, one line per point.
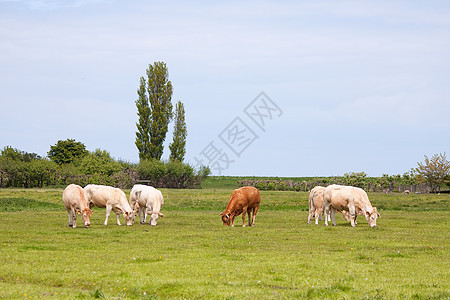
pixel 360 85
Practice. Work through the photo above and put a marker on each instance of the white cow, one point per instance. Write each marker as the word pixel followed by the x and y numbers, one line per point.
pixel 147 200
pixel 316 205
pixel 111 198
pixel 351 199
pixel 75 202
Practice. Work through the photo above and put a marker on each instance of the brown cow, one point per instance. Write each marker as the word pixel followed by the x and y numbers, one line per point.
pixel 242 201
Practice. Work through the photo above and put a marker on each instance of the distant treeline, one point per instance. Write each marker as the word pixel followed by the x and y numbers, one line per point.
pixel 386 183
pixel 29 170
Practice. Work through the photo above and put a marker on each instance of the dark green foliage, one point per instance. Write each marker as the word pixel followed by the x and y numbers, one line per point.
pixel 143 125
pixel 171 174
pixel 17 155
pixel 93 167
pixel 67 151
pixel 21 169
pixel 178 146
pixel 159 90
pixel 154 110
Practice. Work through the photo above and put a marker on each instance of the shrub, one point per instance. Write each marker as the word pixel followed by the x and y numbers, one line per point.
pixel 171 174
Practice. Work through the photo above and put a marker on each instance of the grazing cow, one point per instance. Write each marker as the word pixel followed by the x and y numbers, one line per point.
pixel 316 205
pixel 242 201
pixel 75 202
pixel 351 199
pixel 147 200
pixel 111 198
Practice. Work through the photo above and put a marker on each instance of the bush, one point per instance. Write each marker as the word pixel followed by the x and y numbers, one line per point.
pixel 171 174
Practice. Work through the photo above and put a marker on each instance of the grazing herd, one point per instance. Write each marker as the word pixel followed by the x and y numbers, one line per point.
pixel 146 200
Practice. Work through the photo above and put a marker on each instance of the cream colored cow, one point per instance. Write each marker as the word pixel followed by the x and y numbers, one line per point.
pixel 316 205
pixel 75 202
pixel 351 199
pixel 113 199
pixel 147 200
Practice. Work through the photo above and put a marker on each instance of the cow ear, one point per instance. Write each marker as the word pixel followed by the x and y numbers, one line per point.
pixel 221 213
pixel 79 212
pixel 227 215
pixel 367 213
pixel 160 214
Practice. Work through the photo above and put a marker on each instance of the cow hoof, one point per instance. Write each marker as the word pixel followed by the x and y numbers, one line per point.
pixel 70 225
pixel 243 225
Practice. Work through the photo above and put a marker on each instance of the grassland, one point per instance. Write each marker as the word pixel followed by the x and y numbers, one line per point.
pixel 191 255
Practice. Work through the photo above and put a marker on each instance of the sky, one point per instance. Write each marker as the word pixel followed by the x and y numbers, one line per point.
pixel 270 88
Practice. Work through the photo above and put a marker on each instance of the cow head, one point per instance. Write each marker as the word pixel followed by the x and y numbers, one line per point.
pixel 372 217
pixel 129 217
pixel 154 217
pixel 86 216
pixel 225 219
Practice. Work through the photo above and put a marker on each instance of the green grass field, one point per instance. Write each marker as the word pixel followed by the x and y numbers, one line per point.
pixel 190 254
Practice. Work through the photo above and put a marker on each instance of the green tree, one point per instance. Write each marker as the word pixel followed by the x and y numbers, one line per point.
pixel 159 95
pixel 65 152
pixel 99 162
pixel 16 154
pixel 143 125
pixel 434 171
pixel 11 153
pixel 178 145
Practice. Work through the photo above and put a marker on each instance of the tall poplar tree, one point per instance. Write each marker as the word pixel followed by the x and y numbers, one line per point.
pixel 159 97
pixel 143 125
pixel 178 145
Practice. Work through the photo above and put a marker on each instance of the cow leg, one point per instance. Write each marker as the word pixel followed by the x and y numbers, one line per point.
pixel 232 221
pixel 108 212
pixel 352 212
pixel 326 212
pixel 142 215
pixel 333 215
pixel 249 213
pixel 311 214
pixel 148 207
pixel 243 218
pixel 118 219
pixel 69 212
pixel 255 210
pixel 74 218
pixel 316 215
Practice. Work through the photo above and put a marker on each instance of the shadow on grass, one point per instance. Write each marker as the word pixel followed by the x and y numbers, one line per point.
pixel 27 204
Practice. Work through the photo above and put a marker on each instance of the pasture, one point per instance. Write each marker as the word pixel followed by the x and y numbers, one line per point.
pixel 189 254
